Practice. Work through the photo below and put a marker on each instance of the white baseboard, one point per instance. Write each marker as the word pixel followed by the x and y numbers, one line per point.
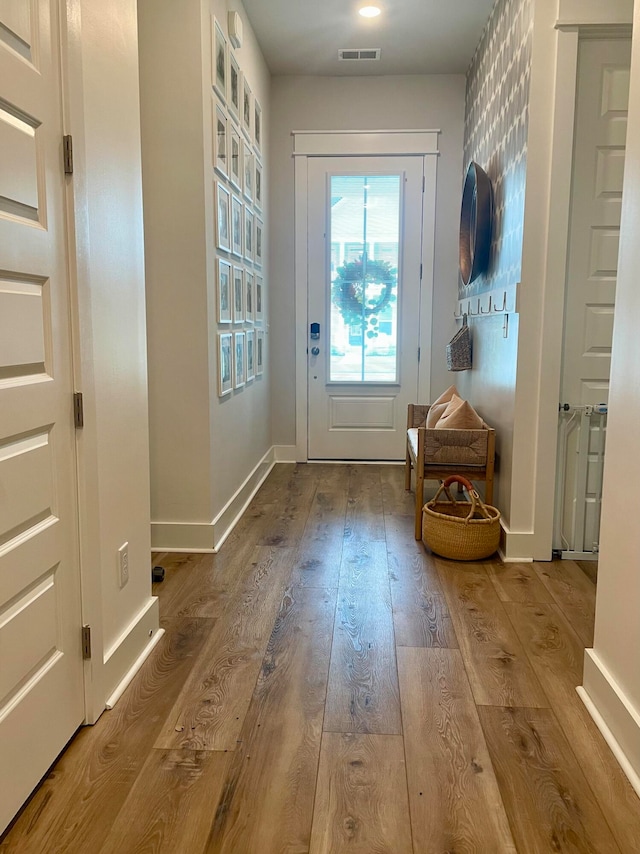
pixel 503 557
pixel 182 537
pixel 515 546
pixel 207 537
pixel 228 517
pixel 614 715
pixel 130 647
pixel 356 462
pixel 137 664
pixel 284 453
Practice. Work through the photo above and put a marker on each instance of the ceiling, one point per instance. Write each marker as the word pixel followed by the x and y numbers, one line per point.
pixel 416 36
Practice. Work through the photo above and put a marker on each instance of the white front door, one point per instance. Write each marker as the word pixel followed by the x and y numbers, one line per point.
pixel 41 673
pixel 364 245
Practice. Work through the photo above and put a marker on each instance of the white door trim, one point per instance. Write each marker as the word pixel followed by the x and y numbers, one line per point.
pixel 301 205
pixel 344 143
pixel 428 268
pixel 308 143
pixel 84 378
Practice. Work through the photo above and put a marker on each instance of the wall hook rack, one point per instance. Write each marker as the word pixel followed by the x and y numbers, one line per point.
pixel 504 303
pixel 485 305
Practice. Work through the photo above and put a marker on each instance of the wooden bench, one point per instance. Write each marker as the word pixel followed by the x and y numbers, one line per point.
pixel 435 454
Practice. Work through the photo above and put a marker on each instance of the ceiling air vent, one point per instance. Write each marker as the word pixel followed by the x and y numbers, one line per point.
pixel 359 53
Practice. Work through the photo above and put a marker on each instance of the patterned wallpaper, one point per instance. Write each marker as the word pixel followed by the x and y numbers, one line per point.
pixel 495 132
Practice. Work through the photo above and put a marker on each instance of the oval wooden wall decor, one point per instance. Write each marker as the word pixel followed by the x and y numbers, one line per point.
pixel 475 224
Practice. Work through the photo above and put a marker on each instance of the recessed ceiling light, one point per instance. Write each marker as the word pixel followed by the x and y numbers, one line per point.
pixel 369 11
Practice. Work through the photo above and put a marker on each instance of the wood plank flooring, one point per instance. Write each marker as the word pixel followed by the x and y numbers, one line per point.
pixel 327 685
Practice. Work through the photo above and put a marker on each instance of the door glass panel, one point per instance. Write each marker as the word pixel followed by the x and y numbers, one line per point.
pixel 364 241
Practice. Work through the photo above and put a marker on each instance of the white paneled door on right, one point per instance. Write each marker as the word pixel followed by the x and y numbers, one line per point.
pixel 364 245
pixel 598 168
pixel 41 668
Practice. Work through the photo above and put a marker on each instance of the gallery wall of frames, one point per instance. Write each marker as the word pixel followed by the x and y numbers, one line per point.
pixel 239 219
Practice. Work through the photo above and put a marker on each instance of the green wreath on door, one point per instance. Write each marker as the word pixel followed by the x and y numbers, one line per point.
pixel 352 282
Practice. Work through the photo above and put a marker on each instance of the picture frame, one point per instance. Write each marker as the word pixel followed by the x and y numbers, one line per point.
pixel 239 375
pixel 246 107
pixel 219 60
pixel 257 124
pixel 223 216
pixel 259 302
pixel 247 167
pixel 220 160
pixel 223 289
pixel 249 296
pixel 257 185
pixel 238 294
pixel 248 234
pixel 259 352
pixel 235 158
pixel 250 340
pixel 225 363
pixel 259 242
pixel 234 87
pixel 236 226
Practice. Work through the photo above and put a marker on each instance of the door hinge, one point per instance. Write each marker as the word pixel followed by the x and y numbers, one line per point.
pixel 67 154
pixel 423 183
pixel 78 409
pixel 418 353
pixel 86 642
pixel 420 272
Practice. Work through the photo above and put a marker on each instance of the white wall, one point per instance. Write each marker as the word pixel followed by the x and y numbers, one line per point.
pixel 595 11
pixel 241 422
pixel 111 366
pixel 612 672
pixel 527 402
pixel 206 451
pixel 175 187
pixel 359 103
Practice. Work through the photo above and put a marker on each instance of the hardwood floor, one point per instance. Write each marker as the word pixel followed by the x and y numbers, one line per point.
pixel 326 685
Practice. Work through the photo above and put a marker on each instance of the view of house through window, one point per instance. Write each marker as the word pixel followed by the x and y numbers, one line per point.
pixel 364 261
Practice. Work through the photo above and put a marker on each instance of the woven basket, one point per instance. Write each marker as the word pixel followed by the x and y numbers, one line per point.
pixel 458 529
pixel 459 349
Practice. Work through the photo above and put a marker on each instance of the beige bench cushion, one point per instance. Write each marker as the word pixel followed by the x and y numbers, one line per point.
pixel 452 447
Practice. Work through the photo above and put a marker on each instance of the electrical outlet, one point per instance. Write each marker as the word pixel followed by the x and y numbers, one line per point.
pixel 123 564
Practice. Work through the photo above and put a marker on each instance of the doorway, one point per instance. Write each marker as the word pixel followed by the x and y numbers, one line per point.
pixel 365 222
pixel 365 249
pixel 597 177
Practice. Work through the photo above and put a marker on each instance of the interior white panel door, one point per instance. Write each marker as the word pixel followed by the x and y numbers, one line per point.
pixel 598 168
pixel 600 134
pixel 364 245
pixel 41 688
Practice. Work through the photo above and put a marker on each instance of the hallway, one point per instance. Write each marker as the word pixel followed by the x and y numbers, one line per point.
pixel 324 685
